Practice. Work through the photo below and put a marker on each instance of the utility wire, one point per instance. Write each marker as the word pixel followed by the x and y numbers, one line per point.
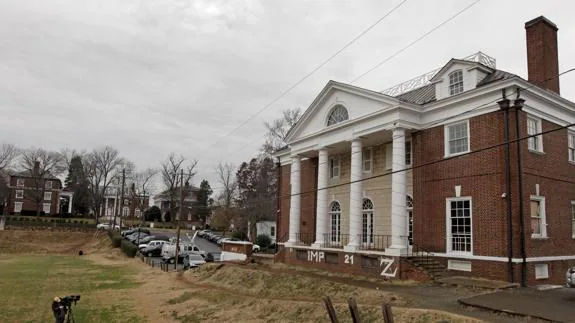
pixel 288 90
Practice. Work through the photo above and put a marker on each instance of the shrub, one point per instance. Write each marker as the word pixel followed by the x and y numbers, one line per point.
pixel 128 248
pixel 263 240
pixel 239 235
pixel 116 239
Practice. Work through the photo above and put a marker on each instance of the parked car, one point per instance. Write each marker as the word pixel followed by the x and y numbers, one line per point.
pixel 203 233
pixel 136 236
pixel 154 237
pixel 256 248
pixel 106 226
pixel 133 230
pixel 151 243
pixel 152 251
pixel 213 256
pixel 193 260
pixel 570 277
pixel 169 251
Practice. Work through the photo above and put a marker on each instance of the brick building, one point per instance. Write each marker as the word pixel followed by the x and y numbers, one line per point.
pixel 370 179
pixel 27 188
pixel 190 216
pixel 131 206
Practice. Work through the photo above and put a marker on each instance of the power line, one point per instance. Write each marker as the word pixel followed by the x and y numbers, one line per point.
pixel 416 40
pixel 288 90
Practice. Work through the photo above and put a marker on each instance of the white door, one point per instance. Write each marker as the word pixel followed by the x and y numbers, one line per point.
pixel 367 223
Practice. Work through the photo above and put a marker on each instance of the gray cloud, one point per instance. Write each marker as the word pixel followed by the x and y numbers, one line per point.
pixel 152 77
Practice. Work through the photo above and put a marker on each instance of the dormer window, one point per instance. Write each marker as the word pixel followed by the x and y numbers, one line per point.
pixel 455 82
pixel 336 115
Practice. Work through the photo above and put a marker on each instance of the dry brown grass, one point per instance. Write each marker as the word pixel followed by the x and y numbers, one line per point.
pixel 43 242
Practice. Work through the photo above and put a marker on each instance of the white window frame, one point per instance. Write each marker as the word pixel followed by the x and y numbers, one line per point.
pixel 125 211
pixel 20 182
pixel 19 194
pixel 47 206
pixel 47 196
pixel 334 218
pixel 573 219
pixel 48 185
pixel 448 224
pixel 541 271
pixel 571 145
pixel 459 85
pixel 18 207
pixel 446 130
pixel 410 151
pixel 369 160
pixel 537 140
pixel 334 164
pixel 137 213
pixel 543 217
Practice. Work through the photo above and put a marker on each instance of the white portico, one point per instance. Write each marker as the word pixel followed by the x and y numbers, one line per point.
pixel 359 138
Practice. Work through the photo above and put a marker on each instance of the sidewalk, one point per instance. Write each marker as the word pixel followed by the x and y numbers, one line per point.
pixel 557 305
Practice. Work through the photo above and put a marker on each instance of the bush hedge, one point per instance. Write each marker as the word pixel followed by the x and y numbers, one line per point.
pixel 240 235
pixel 263 240
pixel 128 248
pixel 46 219
pixel 116 238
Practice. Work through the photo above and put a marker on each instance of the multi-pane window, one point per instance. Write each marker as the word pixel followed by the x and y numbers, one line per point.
pixel 46 208
pixel 137 213
pixel 460 225
pixel 409 207
pixel 573 219
pixel 335 227
pixel 408 153
pixel 367 222
pixel 367 159
pixel 534 143
pixel 334 167
pixel 538 221
pixel 19 194
pixel 272 231
pixel 125 211
pixel 455 82
pixel 48 185
pixel 18 207
pixel 20 182
pixel 47 196
pixel 571 146
pixel 457 136
pixel 337 114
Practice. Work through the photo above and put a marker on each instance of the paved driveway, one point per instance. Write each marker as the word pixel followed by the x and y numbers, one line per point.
pixel 556 305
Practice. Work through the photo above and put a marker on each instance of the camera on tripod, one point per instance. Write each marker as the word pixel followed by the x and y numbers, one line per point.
pixel 67 300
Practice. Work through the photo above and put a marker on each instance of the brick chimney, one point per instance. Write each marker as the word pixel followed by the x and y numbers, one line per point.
pixel 36 170
pixel 542 54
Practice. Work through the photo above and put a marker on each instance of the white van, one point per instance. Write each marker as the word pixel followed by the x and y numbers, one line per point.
pixel 169 251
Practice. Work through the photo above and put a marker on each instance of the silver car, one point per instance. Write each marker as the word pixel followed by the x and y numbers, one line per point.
pixel 570 277
pixel 193 260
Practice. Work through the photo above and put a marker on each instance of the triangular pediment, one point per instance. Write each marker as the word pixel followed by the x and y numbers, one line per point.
pixel 358 102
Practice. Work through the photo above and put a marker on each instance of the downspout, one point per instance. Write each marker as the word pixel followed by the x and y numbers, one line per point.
pixel 504 105
pixel 278 200
pixel 518 105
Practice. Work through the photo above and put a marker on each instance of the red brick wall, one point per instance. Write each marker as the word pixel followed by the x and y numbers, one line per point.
pixel 480 176
pixel 29 204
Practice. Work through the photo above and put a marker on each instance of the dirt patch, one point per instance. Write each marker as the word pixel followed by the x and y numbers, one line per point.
pixel 43 242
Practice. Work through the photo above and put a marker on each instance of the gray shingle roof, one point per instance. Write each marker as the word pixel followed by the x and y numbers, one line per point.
pixel 425 94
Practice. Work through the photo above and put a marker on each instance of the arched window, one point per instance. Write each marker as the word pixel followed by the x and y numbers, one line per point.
pixel 367 222
pixel 125 211
pixel 455 82
pixel 337 115
pixel 335 224
pixel 409 207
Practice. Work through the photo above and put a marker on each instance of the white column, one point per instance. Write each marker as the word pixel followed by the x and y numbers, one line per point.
pixel 70 203
pixel 355 199
pixel 295 199
pixel 106 209
pixel 321 208
pixel 398 207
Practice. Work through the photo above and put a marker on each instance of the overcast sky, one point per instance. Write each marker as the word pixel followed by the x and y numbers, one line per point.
pixel 152 77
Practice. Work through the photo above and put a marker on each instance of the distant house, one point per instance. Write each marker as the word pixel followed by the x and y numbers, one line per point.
pixel 131 205
pixel 24 188
pixel 268 228
pixel 190 217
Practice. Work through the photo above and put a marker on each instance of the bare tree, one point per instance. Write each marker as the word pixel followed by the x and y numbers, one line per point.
pixel 227 178
pixel 8 153
pixel 40 166
pixel 278 129
pixel 170 171
pixel 142 183
pixel 103 167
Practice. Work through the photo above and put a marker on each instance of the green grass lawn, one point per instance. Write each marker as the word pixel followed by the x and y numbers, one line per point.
pixel 29 283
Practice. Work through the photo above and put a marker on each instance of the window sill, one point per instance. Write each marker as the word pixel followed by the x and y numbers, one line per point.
pixel 539 238
pixel 536 152
pixel 572 162
pixel 457 154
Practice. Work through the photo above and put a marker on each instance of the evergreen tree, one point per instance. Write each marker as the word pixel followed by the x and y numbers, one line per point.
pixel 204 200
pixel 77 182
